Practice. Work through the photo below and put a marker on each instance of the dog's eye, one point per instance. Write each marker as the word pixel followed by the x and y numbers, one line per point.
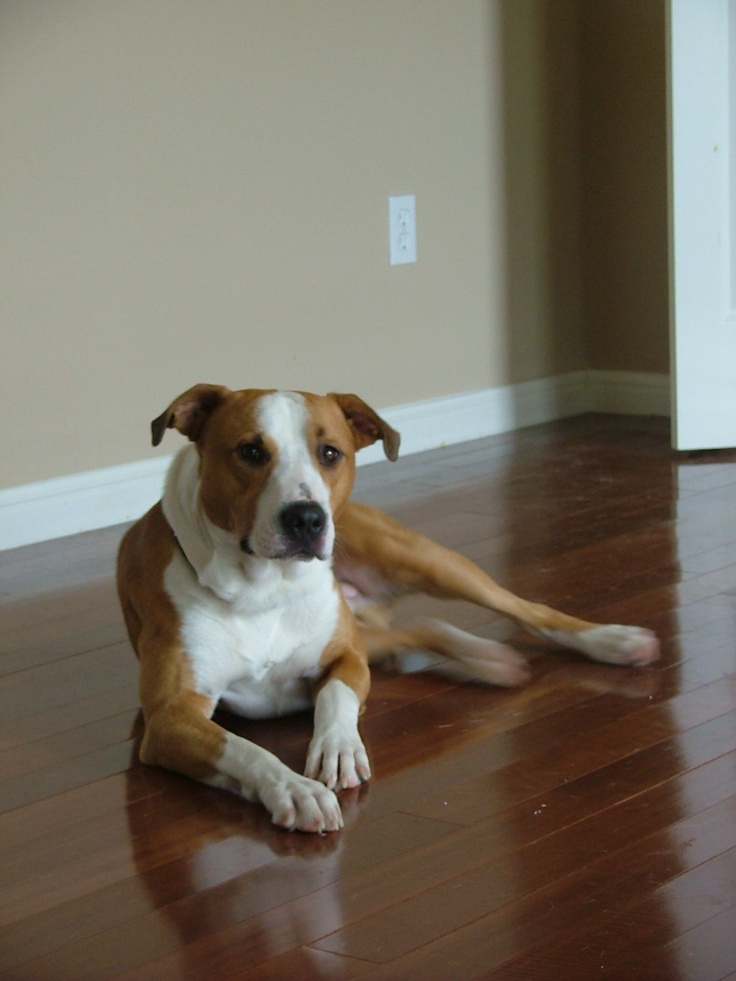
pixel 328 455
pixel 254 454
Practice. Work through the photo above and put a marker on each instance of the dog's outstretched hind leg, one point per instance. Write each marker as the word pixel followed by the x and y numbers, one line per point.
pixel 469 658
pixel 411 561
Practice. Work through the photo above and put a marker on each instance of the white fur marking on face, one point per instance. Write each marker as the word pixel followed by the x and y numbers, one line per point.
pixel 284 418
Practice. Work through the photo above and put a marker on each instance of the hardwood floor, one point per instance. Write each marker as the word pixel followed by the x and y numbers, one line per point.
pixel 581 827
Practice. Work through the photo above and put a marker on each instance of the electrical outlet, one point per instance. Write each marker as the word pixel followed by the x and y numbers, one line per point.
pixel 402 229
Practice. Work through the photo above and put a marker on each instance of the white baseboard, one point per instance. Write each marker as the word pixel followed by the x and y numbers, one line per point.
pixel 113 495
pixel 80 502
pixel 472 415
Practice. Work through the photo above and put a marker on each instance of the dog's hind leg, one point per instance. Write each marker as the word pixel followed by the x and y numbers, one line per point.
pixel 469 658
pixel 411 561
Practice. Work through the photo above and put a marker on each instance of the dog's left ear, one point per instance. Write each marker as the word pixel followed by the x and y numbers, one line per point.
pixel 367 426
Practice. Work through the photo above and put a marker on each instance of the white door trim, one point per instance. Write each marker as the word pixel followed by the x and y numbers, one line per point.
pixel 701 182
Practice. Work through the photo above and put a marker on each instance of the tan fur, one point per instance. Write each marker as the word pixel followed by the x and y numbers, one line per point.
pixel 370 538
pixel 178 732
pixel 345 657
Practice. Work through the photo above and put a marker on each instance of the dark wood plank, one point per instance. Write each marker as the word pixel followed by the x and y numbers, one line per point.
pixel 698 906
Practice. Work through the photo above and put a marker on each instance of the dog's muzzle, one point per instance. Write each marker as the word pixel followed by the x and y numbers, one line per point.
pixel 302 529
pixel 303 525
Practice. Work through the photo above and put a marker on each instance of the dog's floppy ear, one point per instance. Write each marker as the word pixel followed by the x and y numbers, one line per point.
pixel 367 426
pixel 189 412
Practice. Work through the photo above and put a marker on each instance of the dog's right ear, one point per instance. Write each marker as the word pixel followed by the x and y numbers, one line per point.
pixel 189 412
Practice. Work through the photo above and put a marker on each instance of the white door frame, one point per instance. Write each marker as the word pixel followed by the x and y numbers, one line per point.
pixel 702 101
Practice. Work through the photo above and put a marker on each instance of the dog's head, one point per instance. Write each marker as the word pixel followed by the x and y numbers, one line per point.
pixel 275 467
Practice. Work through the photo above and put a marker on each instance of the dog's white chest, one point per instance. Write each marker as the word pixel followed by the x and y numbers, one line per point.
pixel 257 662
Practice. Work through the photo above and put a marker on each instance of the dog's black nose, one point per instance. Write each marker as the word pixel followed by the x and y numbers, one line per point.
pixel 303 522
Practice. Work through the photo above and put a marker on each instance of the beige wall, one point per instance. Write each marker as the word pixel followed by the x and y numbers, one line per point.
pixel 198 191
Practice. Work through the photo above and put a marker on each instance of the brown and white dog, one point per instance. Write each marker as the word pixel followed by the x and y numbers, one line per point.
pixel 233 588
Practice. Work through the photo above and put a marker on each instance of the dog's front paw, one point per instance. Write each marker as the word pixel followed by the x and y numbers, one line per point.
pixel 336 755
pixel 300 804
pixel 338 759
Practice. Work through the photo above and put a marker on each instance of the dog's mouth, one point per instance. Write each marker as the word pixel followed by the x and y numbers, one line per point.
pixel 286 551
pixel 303 555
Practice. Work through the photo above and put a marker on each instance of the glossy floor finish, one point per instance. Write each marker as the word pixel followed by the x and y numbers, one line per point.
pixel 581 827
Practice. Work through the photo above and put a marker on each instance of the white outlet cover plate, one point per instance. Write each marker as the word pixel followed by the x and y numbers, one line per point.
pixel 402 229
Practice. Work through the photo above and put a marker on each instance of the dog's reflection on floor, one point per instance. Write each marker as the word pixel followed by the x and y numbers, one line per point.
pixel 213 864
